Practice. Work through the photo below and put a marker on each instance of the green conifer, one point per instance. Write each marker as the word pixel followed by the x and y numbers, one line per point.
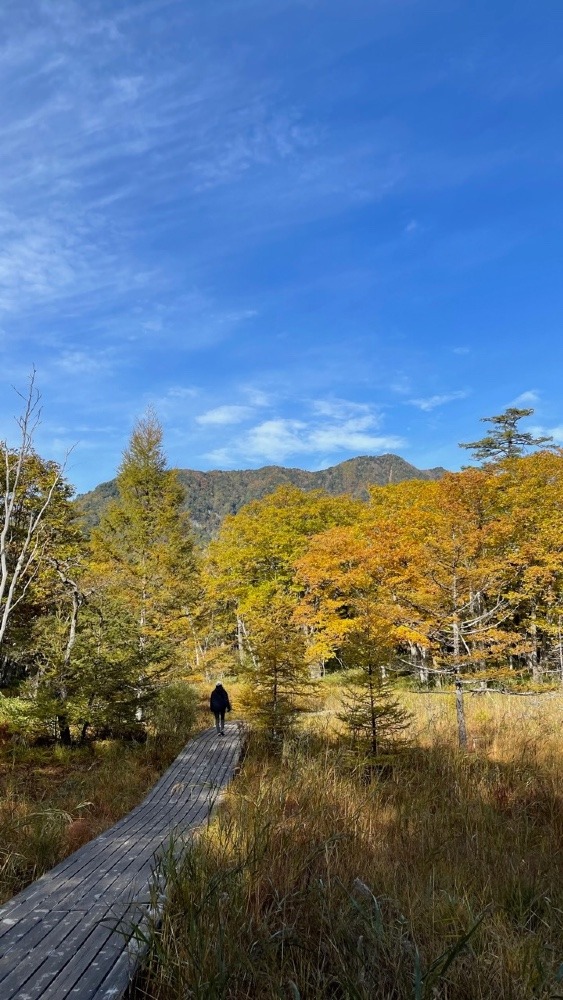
pixel 505 439
pixel 144 552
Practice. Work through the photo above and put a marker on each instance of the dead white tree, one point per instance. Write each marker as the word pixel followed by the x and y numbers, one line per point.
pixel 22 511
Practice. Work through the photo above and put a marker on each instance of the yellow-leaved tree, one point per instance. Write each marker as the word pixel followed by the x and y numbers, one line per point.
pixel 450 573
pixel 531 496
pixel 251 583
pixel 349 612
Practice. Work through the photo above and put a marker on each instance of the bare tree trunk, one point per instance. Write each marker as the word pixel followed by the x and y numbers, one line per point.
pixel 16 576
pixel 78 599
pixel 533 656
pixel 417 655
pixel 459 702
pixel 240 640
pixel 460 714
pixel 373 715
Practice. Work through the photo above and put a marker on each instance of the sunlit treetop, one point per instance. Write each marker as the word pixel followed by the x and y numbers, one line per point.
pixel 505 439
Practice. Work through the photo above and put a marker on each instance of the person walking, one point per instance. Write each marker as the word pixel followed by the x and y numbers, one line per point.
pixel 219 704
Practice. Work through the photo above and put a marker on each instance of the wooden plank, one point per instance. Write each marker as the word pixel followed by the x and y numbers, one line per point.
pixel 125 851
pixel 134 854
pixel 73 862
pixel 26 963
pixel 96 857
pixel 88 956
pixel 52 958
pixel 58 937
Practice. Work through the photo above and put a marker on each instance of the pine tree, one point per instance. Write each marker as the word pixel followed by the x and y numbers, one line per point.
pixel 278 679
pixel 374 718
pixel 505 439
pixel 144 553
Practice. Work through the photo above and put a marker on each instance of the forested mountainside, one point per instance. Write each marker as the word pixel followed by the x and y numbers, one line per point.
pixel 212 495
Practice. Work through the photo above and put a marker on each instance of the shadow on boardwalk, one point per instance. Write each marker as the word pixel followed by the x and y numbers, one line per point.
pixel 67 934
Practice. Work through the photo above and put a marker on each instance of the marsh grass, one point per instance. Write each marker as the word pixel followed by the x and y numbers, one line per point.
pixel 441 878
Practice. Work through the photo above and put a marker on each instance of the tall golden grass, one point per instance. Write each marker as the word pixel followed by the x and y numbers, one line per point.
pixel 440 876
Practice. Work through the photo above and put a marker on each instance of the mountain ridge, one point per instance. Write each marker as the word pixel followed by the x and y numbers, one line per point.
pixel 211 495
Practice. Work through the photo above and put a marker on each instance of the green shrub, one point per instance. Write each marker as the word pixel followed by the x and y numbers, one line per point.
pixel 173 713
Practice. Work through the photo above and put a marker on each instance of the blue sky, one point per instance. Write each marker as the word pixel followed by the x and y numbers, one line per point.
pixel 302 230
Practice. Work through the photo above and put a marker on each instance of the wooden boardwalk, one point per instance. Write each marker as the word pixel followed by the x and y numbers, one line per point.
pixel 69 933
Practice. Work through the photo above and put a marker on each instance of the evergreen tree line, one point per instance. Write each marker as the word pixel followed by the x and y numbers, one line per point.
pixel 450 581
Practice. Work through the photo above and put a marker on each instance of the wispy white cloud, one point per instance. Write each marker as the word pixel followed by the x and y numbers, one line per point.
pixel 224 415
pixel 278 440
pixel 176 406
pixel 256 396
pixel 183 392
pixel 188 321
pixel 336 439
pixel 44 261
pixel 275 440
pixel 526 399
pixel 83 362
pixel 553 432
pixel 431 402
pixel 104 129
pixel 401 384
pixel 329 428
pixel 358 414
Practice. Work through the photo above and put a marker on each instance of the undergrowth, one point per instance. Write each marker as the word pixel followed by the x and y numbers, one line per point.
pixel 438 877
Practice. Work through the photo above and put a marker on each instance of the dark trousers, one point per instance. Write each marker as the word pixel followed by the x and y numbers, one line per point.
pixel 220 720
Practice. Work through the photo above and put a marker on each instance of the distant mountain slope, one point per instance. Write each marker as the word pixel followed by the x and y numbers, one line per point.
pixel 212 495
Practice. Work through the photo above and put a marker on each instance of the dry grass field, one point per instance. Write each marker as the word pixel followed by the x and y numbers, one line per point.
pixel 440 876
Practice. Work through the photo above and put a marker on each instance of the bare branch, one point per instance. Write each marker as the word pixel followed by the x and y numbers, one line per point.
pixel 19 566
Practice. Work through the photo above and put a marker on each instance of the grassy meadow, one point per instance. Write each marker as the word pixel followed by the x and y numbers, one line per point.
pixel 438 877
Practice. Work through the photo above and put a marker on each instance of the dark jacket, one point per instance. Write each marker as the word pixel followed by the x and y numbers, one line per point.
pixel 219 701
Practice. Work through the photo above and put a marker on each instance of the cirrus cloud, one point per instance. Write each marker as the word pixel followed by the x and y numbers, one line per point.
pixel 431 402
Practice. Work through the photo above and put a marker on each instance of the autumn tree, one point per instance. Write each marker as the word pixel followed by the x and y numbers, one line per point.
pixel 278 681
pixel 38 535
pixel 451 579
pixel 251 583
pixel 261 542
pixel 530 492
pixel 347 604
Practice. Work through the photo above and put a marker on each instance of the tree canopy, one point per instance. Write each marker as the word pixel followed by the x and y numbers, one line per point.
pixel 451 580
